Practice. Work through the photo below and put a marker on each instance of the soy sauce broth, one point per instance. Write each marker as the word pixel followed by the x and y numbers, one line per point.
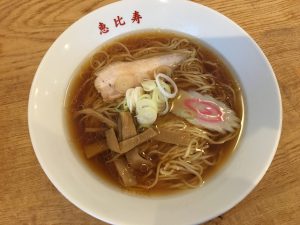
pixel 106 172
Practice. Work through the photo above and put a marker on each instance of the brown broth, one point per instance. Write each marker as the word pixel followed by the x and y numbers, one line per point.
pixel 97 165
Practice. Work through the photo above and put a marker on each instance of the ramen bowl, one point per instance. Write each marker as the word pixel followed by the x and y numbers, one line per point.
pixel 237 177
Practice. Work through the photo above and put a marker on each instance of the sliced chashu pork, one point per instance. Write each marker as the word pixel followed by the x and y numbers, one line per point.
pixel 113 81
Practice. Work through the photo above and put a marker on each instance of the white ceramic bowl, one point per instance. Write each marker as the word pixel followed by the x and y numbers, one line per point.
pixel 230 185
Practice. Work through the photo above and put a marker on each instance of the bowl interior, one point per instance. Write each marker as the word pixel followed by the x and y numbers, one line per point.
pixel 262 121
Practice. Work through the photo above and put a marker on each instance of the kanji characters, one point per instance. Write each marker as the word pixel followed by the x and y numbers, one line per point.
pixel 119 21
pixel 103 28
pixel 136 17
